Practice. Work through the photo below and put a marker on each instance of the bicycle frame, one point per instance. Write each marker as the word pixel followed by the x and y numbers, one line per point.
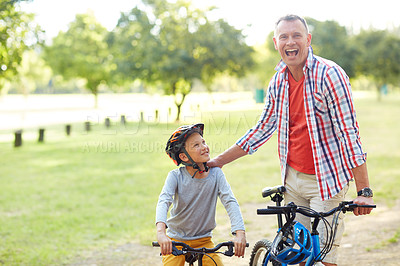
pixel 315 250
pixel 276 194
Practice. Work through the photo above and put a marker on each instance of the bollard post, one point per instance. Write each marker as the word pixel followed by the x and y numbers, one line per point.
pixel 87 126
pixel 18 138
pixel 141 117
pixel 107 122
pixel 68 130
pixel 123 119
pixel 156 115
pixel 41 135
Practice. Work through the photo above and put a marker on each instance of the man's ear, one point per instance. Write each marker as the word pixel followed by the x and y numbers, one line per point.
pixel 275 44
pixel 309 37
pixel 183 157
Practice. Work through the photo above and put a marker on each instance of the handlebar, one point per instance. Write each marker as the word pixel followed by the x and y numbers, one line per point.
pixel 186 248
pixel 291 207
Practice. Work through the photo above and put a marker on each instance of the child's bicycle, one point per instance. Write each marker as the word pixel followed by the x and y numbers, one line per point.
pixel 294 243
pixel 196 254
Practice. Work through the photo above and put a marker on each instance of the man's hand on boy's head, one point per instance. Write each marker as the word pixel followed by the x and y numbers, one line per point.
pixel 231 154
pixel 214 163
pixel 240 243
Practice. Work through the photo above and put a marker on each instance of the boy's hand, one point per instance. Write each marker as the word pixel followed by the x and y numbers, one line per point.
pixel 240 243
pixel 164 241
pixel 165 244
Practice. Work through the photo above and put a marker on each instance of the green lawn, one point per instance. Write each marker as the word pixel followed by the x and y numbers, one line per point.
pixel 87 191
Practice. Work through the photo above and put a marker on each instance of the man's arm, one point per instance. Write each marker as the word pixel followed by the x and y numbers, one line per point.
pixel 360 174
pixel 231 154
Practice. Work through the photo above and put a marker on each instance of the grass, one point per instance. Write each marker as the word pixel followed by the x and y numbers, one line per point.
pixel 91 190
pixel 382 244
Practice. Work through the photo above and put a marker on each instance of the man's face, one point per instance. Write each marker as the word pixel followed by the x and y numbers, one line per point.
pixel 292 41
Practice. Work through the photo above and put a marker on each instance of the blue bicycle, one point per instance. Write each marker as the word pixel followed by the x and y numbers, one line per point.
pixel 294 243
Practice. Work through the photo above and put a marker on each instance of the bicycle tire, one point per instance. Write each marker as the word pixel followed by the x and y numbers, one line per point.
pixel 260 252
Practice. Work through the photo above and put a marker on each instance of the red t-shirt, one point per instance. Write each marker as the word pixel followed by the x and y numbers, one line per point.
pixel 300 155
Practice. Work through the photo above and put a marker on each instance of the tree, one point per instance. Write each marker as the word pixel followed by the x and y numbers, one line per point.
pixel 17 34
pixel 331 41
pixel 32 72
pixel 379 57
pixel 267 57
pixel 193 48
pixel 134 49
pixel 173 45
pixel 82 51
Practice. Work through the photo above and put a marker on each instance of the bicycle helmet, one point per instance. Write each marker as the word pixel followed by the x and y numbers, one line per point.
pixel 292 245
pixel 176 144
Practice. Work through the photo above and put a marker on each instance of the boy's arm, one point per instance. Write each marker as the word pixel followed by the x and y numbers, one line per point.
pixel 232 207
pixel 162 238
pixel 164 202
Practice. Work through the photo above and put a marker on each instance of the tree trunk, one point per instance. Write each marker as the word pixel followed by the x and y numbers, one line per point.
pixel 96 101
pixel 178 106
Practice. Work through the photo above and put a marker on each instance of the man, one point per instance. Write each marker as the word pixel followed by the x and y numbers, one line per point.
pixel 309 104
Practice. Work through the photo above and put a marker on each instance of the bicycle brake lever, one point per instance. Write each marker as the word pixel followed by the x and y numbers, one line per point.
pixel 229 252
pixel 176 252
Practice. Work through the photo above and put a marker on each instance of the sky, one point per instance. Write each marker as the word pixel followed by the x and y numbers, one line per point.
pixel 255 17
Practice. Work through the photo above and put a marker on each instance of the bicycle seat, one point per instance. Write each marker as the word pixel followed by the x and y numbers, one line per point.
pixel 268 191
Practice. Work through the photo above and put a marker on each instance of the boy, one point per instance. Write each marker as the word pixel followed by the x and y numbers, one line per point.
pixel 193 191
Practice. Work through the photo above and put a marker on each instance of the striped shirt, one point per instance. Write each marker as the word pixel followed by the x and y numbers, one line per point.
pixel 331 121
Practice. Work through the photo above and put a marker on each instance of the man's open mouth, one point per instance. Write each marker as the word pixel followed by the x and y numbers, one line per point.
pixel 292 52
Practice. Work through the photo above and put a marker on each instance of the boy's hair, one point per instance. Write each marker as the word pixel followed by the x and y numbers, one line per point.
pixel 176 143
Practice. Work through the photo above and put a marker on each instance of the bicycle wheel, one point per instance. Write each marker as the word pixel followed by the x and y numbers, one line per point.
pixel 260 252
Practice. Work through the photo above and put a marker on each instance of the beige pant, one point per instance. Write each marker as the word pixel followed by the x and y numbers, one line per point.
pixel 302 189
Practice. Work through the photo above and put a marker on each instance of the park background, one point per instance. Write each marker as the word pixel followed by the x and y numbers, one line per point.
pixel 164 64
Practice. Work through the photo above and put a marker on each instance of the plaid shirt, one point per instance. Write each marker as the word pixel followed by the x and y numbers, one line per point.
pixel 331 122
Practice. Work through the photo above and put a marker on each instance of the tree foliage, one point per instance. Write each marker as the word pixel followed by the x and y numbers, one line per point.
pixel 174 44
pixel 379 56
pixel 134 49
pixel 331 40
pixel 18 33
pixel 82 51
pixel 32 71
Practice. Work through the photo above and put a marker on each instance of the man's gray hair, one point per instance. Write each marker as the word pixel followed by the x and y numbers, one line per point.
pixel 292 18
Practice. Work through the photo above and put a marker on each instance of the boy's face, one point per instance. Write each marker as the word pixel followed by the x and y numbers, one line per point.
pixel 197 148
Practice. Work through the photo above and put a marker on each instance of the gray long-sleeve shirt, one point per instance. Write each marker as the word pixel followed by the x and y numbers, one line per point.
pixel 194 204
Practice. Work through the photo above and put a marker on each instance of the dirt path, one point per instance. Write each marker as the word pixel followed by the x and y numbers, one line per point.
pixel 365 242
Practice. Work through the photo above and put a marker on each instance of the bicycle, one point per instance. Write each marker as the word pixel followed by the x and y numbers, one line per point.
pixel 294 243
pixel 196 254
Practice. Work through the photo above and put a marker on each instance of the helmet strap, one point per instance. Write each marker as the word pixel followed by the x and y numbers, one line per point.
pixel 194 164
